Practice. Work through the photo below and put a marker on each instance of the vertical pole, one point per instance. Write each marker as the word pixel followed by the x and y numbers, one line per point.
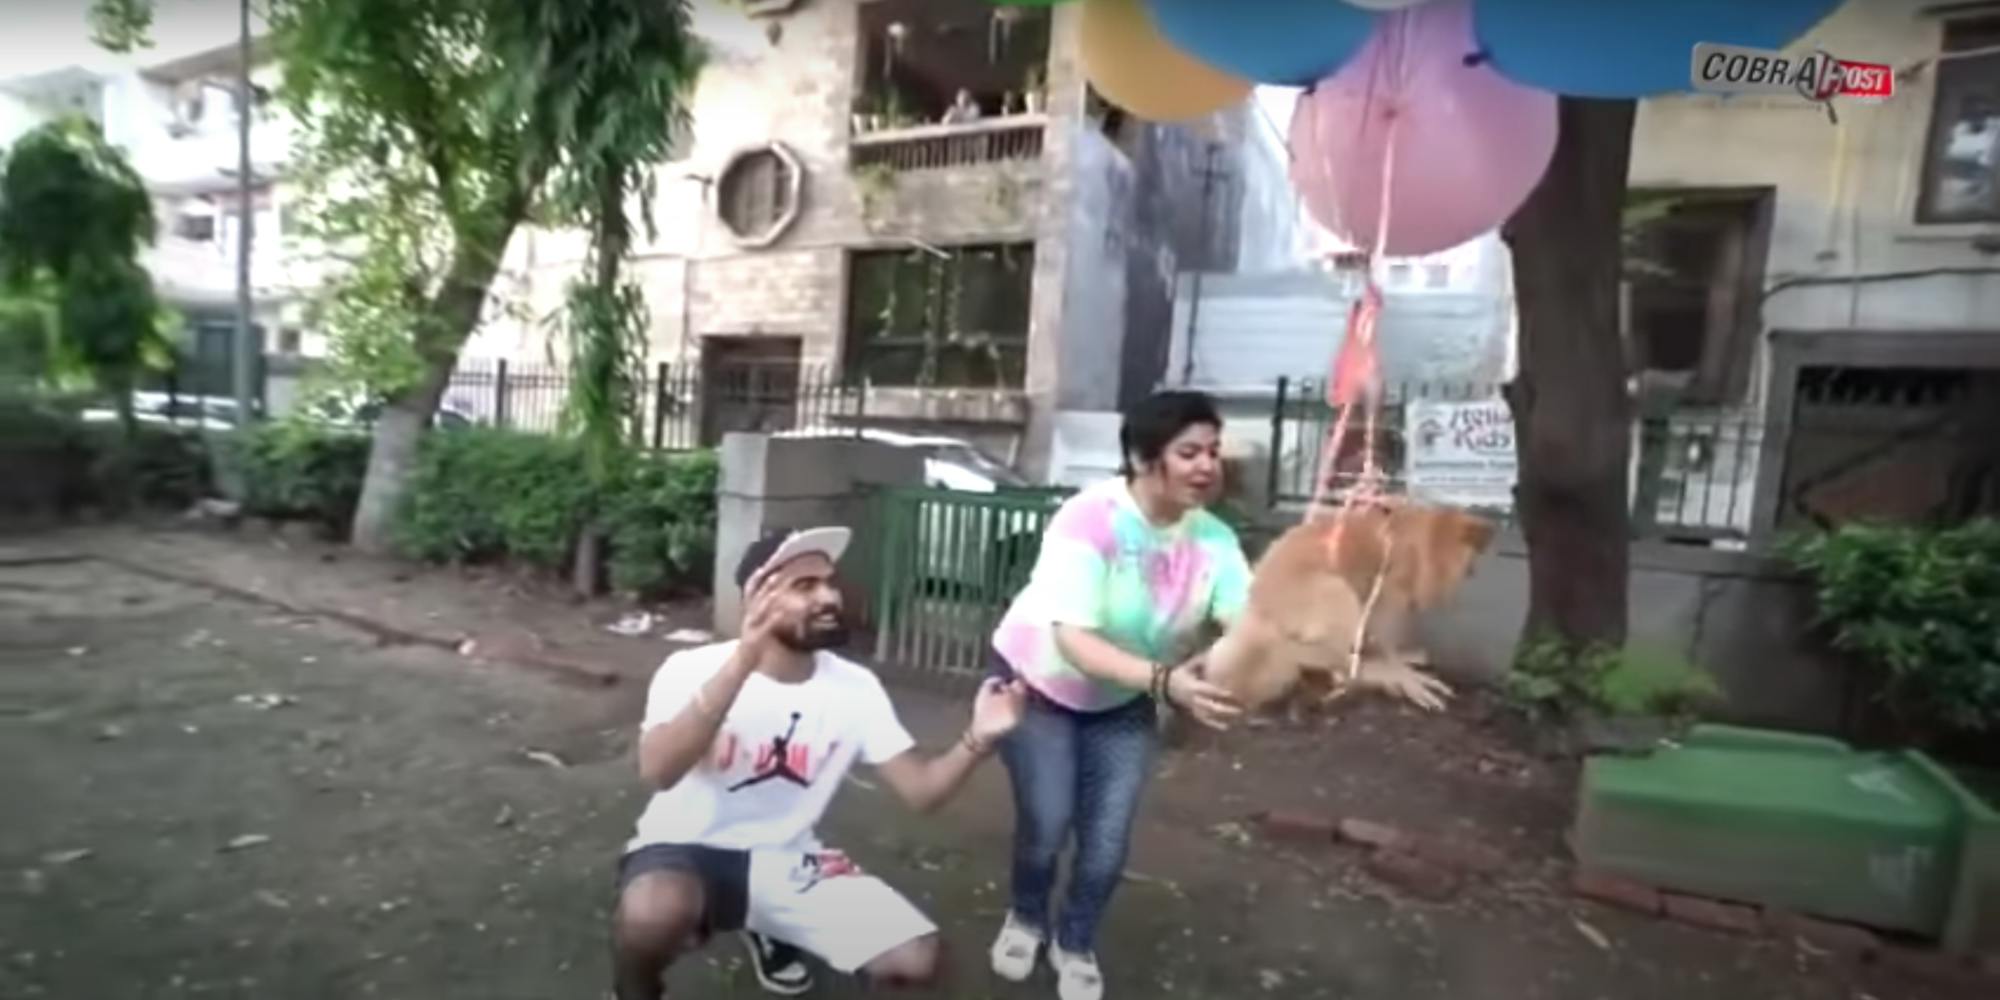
pixel 660 397
pixel 500 392
pixel 1277 443
pixel 1208 174
pixel 245 354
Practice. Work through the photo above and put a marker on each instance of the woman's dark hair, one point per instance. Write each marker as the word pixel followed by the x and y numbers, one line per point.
pixel 1154 422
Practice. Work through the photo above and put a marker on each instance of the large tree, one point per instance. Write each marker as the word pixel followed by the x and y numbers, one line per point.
pixel 616 122
pixel 74 217
pixel 1571 404
pixel 430 129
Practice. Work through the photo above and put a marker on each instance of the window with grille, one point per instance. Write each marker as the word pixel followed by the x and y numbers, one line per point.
pixel 956 321
pixel 1961 180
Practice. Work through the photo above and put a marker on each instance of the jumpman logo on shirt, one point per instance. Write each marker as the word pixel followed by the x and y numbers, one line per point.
pixel 781 763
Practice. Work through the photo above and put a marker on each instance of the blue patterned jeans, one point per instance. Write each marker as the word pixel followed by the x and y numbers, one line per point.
pixel 1074 773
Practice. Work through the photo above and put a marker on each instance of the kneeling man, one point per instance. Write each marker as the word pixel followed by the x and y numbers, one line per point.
pixel 744 744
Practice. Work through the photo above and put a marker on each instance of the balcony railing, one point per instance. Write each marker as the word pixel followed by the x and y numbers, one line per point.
pixel 935 147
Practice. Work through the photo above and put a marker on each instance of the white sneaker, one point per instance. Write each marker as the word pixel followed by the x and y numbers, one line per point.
pixel 1014 950
pixel 1077 975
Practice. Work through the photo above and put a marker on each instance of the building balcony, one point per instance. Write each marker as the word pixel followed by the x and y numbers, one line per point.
pixel 193 272
pixel 1012 139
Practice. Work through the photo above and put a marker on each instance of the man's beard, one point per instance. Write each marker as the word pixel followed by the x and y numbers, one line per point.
pixel 812 636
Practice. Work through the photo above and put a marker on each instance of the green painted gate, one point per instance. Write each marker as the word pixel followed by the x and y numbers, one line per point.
pixel 947 566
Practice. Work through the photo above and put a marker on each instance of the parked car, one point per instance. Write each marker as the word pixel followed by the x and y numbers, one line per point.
pixel 356 413
pixel 973 549
pixel 949 463
pixel 209 413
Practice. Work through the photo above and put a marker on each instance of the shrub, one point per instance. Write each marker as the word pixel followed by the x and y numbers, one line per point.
pixel 58 463
pixel 1550 679
pixel 162 467
pixel 489 494
pixel 47 455
pixel 296 470
pixel 660 523
pixel 1920 605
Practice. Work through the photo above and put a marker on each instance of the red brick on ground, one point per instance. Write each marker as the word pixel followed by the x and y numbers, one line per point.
pixel 1413 875
pixel 1846 940
pixel 1712 914
pixel 1302 827
pixel 1477 859
pixel 1369 833
pixel 1615 891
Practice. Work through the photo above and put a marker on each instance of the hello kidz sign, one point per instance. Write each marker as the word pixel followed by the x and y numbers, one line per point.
pixel 1460 452
pixel 1816 76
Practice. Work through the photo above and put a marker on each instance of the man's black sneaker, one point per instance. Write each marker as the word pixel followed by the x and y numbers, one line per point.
pixel 780 968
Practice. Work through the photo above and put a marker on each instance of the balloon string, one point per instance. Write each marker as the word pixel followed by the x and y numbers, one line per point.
pixel 1361 332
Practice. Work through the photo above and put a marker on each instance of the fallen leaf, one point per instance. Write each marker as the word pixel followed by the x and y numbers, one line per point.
pixel 273 900
pixel 246 842
pixel 506 816
pixel 66 857
pixel 1592 934
pixel 544 757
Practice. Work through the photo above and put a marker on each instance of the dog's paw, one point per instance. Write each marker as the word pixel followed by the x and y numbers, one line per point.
pixel 1397 678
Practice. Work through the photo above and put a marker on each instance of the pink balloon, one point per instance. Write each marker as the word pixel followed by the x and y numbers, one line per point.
pixel 1470 145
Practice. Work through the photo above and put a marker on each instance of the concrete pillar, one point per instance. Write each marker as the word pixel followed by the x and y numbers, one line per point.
pixel 772 483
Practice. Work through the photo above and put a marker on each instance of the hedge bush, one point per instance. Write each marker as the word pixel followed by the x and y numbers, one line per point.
pixel 297 471
pixel 1922 607
pixel 483 494
pixel 488 494
pixel 58 463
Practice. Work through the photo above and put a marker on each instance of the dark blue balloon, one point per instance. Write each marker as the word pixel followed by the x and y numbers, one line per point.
pixel 1292 42
pixel 1629 48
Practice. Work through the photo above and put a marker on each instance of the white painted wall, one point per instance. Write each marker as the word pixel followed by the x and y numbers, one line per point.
pixel 1846 194
pixel 1253 328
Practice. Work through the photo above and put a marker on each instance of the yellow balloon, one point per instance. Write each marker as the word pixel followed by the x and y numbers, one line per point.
pixel 1129 62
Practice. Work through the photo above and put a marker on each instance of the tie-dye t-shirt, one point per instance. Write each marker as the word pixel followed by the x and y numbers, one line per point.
pixel 1148 590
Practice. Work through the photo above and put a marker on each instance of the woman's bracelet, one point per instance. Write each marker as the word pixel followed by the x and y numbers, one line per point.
pixel 1163 676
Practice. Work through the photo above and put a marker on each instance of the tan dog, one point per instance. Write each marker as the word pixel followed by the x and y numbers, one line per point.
pixel 1307 597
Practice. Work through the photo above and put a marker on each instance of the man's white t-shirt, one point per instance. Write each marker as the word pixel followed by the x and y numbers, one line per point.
pixel 778 756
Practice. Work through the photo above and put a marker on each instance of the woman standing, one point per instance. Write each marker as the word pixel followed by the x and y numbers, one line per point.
pixel 1130 572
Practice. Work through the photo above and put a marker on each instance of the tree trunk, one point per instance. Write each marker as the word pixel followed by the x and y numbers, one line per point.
pixel 450 319
pixel 611 242
pixel 1572 409
pixel 392 458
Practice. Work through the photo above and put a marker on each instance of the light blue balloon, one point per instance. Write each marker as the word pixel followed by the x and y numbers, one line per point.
pixel 1629 48
pixel 1291 42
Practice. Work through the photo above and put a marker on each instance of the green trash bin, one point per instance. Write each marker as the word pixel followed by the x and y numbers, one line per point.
pixel 1802 823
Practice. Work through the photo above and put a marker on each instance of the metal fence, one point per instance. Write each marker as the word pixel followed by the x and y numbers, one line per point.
pixel 1694 474
pixel 681 406
pixel 946 566
pixel 1302 422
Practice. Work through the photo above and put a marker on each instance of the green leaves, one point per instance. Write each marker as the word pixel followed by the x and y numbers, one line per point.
pixel 1922 605
pixel 488 495
pixel 68 196
pixel 1550 678
pixel 121 25
pixel 73 217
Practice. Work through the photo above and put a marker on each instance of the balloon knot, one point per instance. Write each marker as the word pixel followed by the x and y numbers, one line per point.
pixel 1477 57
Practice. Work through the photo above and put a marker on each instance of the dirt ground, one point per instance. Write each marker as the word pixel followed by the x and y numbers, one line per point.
pixel 211 795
